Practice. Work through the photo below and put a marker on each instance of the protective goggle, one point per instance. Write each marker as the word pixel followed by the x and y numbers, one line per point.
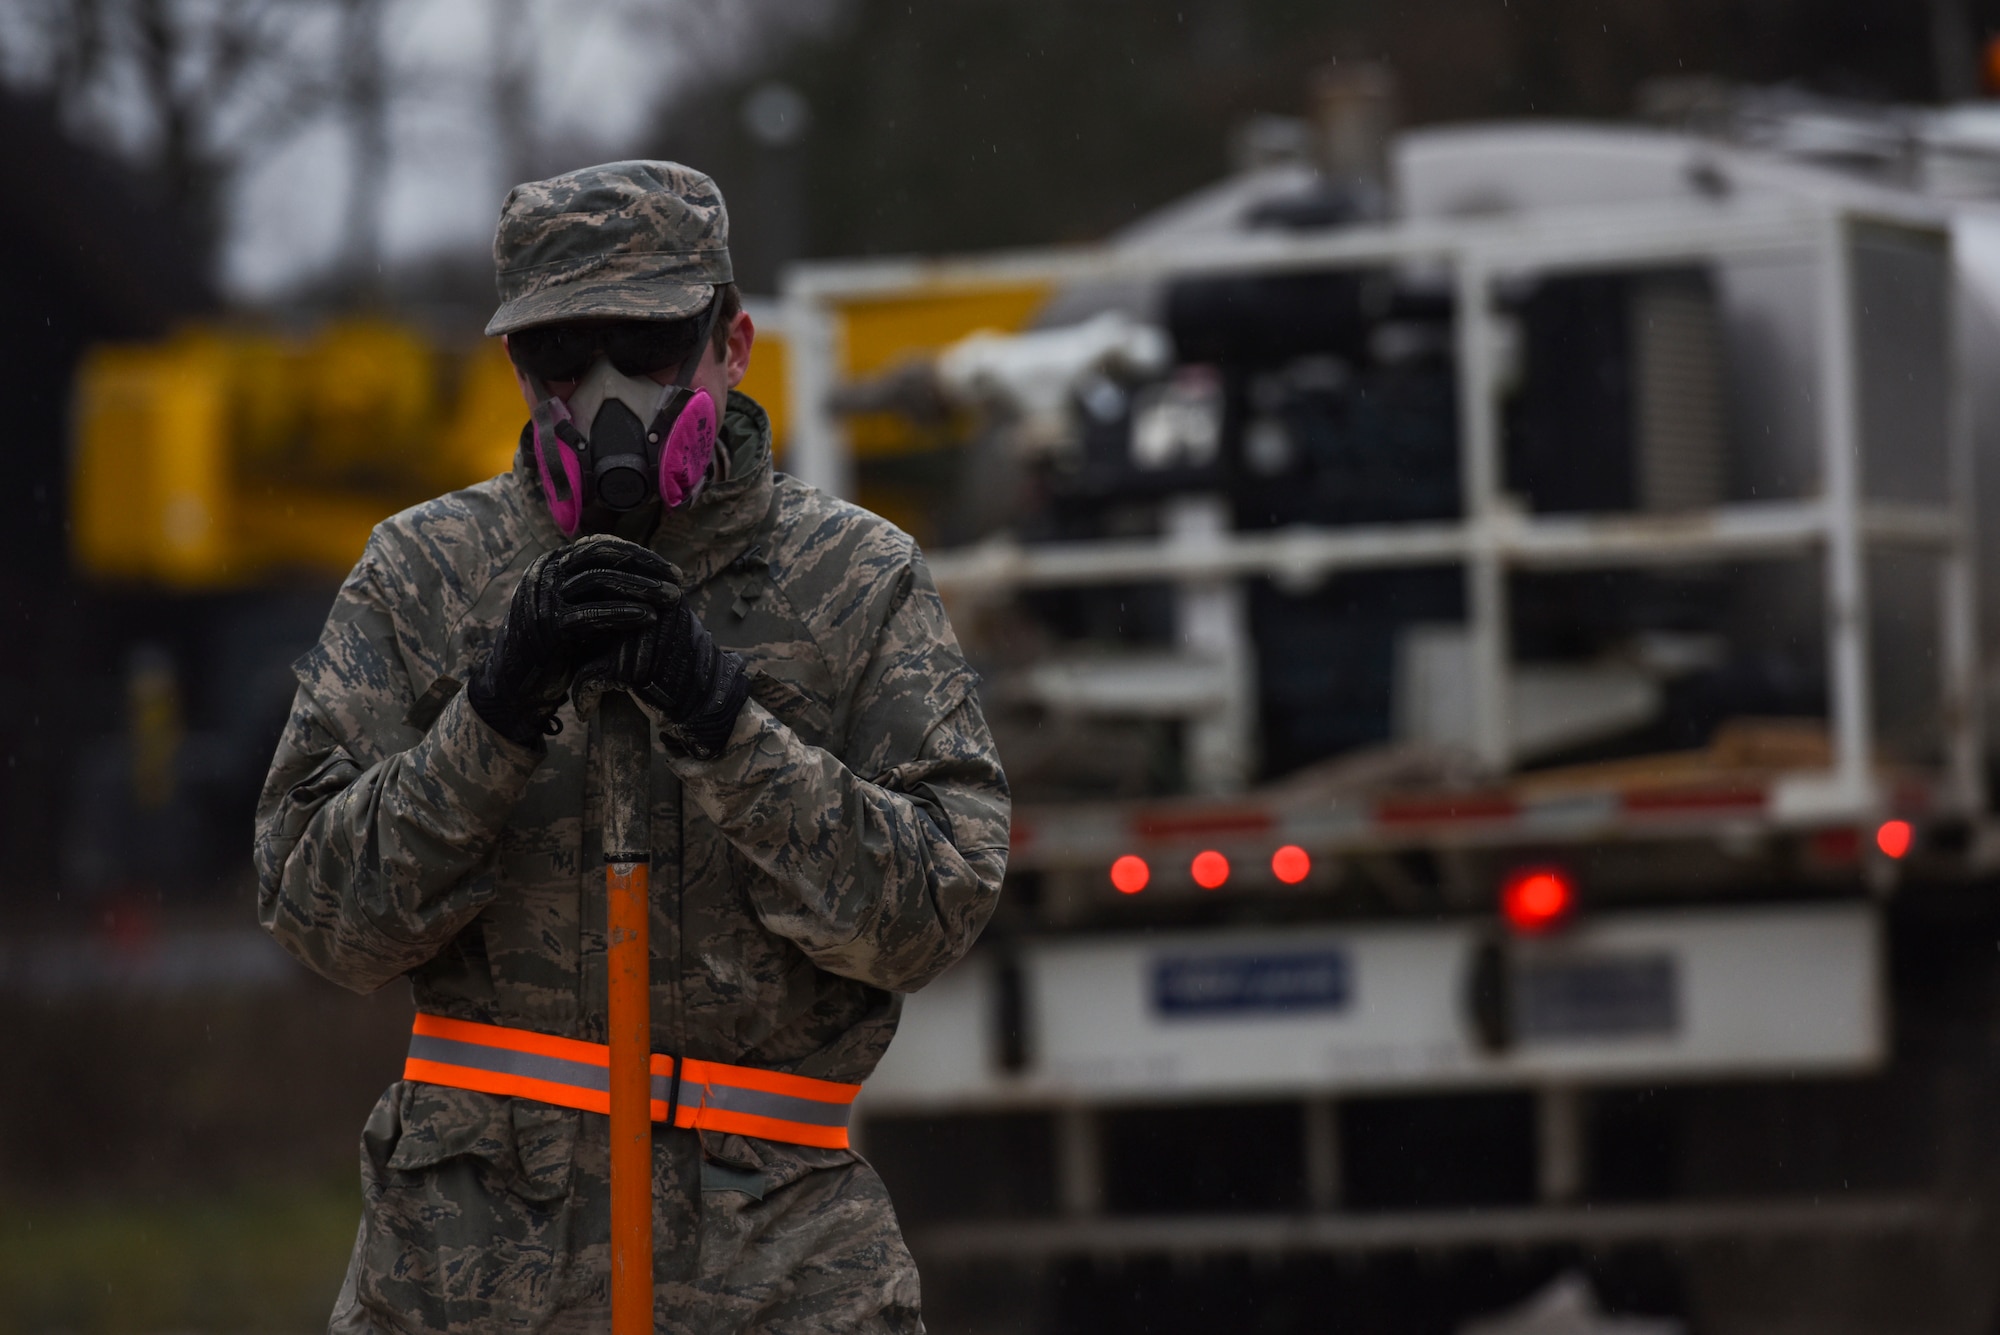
pixel 559 353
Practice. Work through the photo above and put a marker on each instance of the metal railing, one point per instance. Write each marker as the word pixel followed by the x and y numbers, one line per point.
pixel 1837 524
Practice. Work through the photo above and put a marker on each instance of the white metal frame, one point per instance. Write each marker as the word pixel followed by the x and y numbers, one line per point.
pixel 1494 536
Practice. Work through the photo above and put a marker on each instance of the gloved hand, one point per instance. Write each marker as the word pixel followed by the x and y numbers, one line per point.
pixel 573 603
pixel 675 668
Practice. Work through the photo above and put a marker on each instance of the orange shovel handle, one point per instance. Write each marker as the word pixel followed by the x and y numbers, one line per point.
pixel 626 751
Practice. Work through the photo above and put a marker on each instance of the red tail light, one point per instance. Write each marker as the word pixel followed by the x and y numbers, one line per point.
pixel 1291 864
pixel 1894 837
pixel 1130 874
pixel 1536 899
pixel 1210 869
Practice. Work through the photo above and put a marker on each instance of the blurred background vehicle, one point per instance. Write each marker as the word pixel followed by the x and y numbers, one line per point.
pixel 1487 684
pixel 1483 621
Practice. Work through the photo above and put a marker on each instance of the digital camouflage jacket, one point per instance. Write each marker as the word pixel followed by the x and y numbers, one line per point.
pixel 846 847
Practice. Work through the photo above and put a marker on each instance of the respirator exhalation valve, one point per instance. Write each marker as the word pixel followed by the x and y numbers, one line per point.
pixel 618 457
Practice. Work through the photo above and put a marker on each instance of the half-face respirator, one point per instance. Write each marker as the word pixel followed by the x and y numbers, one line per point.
pixel 622 439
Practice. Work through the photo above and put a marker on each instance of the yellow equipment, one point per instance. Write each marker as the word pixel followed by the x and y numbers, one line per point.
pixel 877 333
pixel 216 457
pixel 223 458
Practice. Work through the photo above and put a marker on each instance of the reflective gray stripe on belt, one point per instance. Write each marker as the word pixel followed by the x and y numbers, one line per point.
pixel 584 1075
pixel 754 1102
pixel 506 1061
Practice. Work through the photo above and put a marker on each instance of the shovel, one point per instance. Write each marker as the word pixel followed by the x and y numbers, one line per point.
pixel 624 756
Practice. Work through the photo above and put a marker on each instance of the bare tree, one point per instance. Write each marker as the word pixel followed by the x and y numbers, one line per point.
pixel 199 91
pixel 193 89
pixel 364 102
pixel 512 88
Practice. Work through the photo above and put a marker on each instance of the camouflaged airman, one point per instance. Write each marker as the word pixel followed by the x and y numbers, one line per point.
pixel 829 818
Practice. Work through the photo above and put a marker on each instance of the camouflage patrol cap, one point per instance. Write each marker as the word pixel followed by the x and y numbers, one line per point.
pixel 625 240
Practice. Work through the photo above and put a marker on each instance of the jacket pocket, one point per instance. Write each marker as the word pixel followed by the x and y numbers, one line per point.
pixel 759 1167
pixel 462 1230
pixel 526 1147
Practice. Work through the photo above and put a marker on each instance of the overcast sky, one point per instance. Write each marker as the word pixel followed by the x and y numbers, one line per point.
pixel 599 72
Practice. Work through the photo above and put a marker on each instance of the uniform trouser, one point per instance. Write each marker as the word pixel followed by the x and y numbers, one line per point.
pixel 501 1220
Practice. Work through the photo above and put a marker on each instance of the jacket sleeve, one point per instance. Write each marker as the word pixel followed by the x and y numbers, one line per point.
pixel 374 840
pixel 883 870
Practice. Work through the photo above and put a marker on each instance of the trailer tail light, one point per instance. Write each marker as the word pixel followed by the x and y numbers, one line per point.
pixel 1536 899
pixel 1210 869
pixel 1130 874
pixel 1291 864
pixel 1893 837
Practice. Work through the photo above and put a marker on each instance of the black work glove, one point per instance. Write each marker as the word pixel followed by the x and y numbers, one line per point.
pixel 675 668
pixel 575 602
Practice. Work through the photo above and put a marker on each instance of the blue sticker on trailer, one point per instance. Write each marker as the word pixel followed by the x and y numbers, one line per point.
pixel 1211 985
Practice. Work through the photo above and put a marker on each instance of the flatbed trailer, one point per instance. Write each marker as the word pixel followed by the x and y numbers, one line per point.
pixel 1260 1022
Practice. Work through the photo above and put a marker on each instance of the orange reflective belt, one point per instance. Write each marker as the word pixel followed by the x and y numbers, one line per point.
pixel 711 1096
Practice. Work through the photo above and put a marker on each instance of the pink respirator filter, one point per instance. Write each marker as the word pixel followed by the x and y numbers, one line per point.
pixel 568 514
pixel 685 455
